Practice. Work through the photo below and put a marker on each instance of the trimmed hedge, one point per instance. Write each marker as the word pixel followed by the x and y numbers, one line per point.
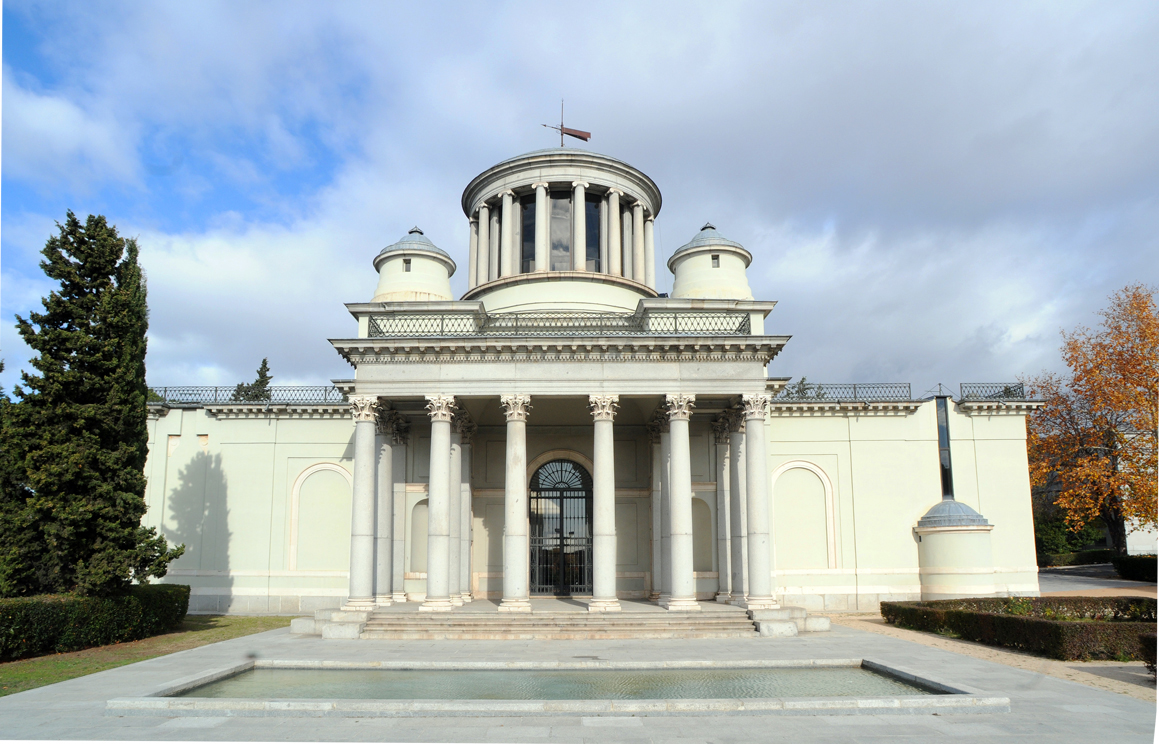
pixel 55 623
pixel 1136 567
pixel 1081 558
pixel 1147 641
pixel 1059 627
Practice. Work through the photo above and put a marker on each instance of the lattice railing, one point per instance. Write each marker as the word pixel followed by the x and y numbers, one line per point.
pixel 281 395
pixel 868 391
pixel 559 323
pixel 993 391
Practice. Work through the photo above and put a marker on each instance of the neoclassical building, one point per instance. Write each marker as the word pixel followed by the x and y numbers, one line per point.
pixel 564 429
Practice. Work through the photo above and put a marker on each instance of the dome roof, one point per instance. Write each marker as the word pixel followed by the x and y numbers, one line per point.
pixel 950 513
pixel 707 236
pixel 414 240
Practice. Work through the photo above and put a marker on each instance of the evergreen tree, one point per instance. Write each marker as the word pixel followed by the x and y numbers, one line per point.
pixel 257 391
pixel 78 427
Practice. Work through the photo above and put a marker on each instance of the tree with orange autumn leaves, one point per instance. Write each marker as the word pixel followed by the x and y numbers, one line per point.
pixel 1094 441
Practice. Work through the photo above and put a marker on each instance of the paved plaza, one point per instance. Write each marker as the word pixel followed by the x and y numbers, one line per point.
pixel 1043 708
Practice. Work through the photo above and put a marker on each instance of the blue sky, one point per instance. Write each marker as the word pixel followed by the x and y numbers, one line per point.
pixel 931 191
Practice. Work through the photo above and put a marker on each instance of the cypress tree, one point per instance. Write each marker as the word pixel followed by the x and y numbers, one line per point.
pixel 79 426
pixel 258 390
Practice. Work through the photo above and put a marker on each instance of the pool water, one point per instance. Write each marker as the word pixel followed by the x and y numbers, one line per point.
pixel 584 684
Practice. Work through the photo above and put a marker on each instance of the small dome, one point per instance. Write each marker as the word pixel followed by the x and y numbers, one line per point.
pixel 709 236
pixel 950 513
pixel 413 240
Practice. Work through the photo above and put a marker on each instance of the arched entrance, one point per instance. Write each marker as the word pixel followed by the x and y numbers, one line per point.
pixel 560 507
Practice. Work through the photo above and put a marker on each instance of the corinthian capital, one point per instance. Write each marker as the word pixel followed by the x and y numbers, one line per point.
pixel 363 407
pixel 516 406
pixel 722 427
pixel 755 406
pixel 604 406
pixel 679 406
pixel 441 407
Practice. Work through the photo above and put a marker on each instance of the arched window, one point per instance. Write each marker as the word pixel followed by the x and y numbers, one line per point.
pixel 560 512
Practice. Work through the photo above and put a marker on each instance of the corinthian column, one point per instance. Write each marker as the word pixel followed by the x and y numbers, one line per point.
pixel 638 272
pixel 441 408
pixel 466 431
pixel 454 515
pixel 507 235
pixel 384 507
pixel 363 408
pixel 683 595
pixel 604 506
pixel 579 224
pixel 542 217
pixel 720 431
pixel 615 253
pixel 738 508
pixel 516 556
pixel 756 464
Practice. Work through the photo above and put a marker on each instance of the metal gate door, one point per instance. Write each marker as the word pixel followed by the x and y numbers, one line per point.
pixel 560 508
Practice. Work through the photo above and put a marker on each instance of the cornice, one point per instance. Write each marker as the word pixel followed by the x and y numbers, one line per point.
pixel 799 408
pixel 280 411
pixel 584 349
pixel 999 407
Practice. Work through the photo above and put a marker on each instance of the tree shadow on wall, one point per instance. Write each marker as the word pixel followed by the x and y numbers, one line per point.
pixel 197 515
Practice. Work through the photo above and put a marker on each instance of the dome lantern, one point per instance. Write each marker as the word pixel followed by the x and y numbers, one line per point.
pixel 711 267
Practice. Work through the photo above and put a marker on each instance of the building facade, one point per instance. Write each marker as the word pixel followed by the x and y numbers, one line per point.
pixel 564 429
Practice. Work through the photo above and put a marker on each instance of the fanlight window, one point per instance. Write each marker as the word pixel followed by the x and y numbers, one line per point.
pixel 561 475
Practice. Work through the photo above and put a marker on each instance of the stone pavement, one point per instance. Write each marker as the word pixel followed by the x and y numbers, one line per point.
pixel 1043 708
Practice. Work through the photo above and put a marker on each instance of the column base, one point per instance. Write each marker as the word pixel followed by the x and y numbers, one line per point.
pixel 604 605
pixel 457 600
pixel 681 604
pixel 383 600
pixel 759 603
pixel 398 597
pixel 467 597
pixel 515 605
pixel 436 605
pixel 737 600
pixel 653 596
pixel 364 604
pixel 723 597
pixel 662 599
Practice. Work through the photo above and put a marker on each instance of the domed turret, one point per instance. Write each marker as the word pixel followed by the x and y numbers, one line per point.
pixel 413 270
pixel 954 552
pixel 711 267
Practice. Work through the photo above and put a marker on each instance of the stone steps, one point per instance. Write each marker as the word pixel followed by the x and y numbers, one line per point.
pixel 557 626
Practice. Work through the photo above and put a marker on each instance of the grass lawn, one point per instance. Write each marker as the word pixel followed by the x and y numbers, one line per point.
pixel 196 630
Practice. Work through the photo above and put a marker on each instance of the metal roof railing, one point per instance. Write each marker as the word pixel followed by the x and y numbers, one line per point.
pixel 993 391
pixel 199 395
pixel 560 323
pixel 860 391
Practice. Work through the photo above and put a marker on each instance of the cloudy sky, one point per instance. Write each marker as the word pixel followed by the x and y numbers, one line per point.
pixel 930 190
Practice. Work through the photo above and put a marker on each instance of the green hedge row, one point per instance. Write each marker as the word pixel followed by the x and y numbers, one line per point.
pixel 55 623
pixel 1059 627
pixel 1136 567
pixel 1147 641
pixel 1082 558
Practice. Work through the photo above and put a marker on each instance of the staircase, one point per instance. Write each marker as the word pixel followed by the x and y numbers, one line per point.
pixel 557 626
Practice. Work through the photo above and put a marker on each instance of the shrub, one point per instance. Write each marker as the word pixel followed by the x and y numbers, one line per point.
pixel 1147 643
pixel 55 623
pixel 1136 567
pixel 1082 558
pixel 1060 627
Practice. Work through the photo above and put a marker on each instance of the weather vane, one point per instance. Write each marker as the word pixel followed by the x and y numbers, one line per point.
pixel 577 133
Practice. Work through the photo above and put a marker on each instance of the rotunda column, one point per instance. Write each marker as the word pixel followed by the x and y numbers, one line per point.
pixel 438 598
pixel 516 556
pixel 579 224
pixel 738 508
pixel 363 408
pixel 638 271
pixel 615 268
pixel 483 225
pixel 384 507
pixel 650 252
pixel 541 226
pixel 760 595
pixel 683 584
pixel 720 431
pixel 507 233
pixel 454 516
pixel 603 505
pixel 493 246
pixel 473 255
